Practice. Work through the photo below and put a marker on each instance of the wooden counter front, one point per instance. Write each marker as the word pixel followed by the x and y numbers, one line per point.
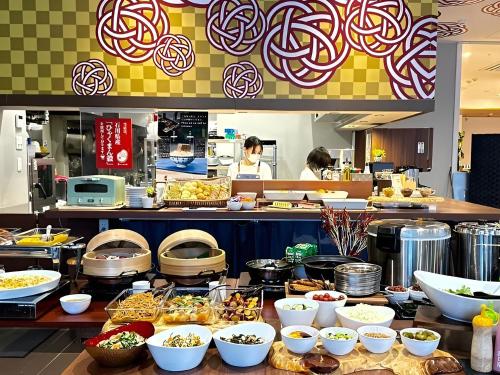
pixel 449 210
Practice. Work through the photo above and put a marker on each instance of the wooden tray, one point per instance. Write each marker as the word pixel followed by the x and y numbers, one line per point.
pixel 377 299
pixel 398 359
pixel 381 199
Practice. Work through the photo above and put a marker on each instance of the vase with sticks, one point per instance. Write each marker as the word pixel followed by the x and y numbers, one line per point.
pixel 350 236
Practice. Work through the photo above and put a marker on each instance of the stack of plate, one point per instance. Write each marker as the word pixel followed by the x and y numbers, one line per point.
pixel 133 196
pixel 358 279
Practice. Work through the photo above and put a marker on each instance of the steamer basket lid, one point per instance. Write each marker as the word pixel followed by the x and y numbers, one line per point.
pixel 189 238
pixel 117 238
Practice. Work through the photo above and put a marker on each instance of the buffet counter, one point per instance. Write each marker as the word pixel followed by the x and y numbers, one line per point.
pixel 448 210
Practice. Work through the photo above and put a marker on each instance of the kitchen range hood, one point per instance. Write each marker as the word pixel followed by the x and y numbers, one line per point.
pixel 357 120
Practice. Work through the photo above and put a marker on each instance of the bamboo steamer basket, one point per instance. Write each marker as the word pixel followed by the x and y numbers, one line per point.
pixel 117 242
pixel 189 253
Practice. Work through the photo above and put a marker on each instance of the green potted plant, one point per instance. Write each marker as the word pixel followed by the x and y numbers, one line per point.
pixel 148 200
pixel 378 154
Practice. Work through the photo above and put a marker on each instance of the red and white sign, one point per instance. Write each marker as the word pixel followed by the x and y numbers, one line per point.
pixel 113 137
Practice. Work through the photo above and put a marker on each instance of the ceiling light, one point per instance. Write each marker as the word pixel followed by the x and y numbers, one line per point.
pixel 467 54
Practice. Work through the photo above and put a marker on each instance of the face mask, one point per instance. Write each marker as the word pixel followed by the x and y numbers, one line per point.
pixel 253 158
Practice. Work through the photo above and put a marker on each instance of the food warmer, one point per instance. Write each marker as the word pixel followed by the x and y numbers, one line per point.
pixel 402 246
pixel 117 257
pixel 16 256
pixel 191 257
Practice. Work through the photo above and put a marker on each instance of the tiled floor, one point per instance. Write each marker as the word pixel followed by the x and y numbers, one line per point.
pixel 50 358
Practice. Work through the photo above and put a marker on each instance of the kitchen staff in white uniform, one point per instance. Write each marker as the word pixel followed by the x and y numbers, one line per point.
pixel 318 159
pixel 251 167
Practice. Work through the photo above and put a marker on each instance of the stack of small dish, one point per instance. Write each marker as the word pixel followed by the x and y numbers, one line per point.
pixel 133 196
pixel 358 279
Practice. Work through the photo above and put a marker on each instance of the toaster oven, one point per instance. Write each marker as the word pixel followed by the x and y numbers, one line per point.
pixel 96 191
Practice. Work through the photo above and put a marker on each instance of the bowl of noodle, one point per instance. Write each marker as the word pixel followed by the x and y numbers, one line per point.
pixel 134 305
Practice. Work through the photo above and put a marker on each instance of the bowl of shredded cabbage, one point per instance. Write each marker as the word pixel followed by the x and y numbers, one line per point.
pixel 360 315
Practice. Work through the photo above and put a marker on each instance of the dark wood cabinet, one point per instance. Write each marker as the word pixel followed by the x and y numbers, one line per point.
pixel 403 147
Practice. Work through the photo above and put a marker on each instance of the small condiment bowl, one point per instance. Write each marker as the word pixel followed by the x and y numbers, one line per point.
pixel 234 206
pixel 247 194
pixel 299 345
pixel 75 303
pixel 248 205
pixel 418 347
pixel 338 347
pixel 241 355
pixel 377 345
pixel 394 297
pixel 416 295
pixel 179 359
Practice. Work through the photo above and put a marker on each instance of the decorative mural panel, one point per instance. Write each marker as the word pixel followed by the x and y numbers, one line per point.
pixel 285 49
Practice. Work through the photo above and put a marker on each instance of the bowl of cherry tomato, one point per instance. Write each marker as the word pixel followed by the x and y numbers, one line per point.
pixel 328 301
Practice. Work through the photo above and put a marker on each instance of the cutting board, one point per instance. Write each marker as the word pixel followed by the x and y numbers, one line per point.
pixel 398 359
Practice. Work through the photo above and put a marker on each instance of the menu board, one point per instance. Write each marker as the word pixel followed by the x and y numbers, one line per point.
pixel 182 143
pixel 113 137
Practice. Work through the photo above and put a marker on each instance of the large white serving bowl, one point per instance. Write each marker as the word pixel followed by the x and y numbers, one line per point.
pixel 386 313
pixel 326 316
pixel 75 303
pixel 245 355
pixel 419 348
pixel 300 345
pixel 375 345
pixel 453 306
pixel 296 317
pixel 51 283
pixel 179 359
pixel 338 347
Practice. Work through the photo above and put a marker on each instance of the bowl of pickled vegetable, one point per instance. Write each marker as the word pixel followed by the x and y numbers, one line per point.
pixel 420 342
pixel 296 311
pixel 338 340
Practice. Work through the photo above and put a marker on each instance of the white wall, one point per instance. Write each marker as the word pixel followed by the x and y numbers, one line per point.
pixel 444 119
pixel 14 184
pixel 296 136
pixel 477 125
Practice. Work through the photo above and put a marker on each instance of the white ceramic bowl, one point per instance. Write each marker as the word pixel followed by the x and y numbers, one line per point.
pixel 234 206
pixel 247 194
pixel 296 317
pixel 419 348
pixel 397 296
pixel 338 347
pixel 248 205
pixel 416 295
pixel 245 355
pixel 374 345
pixel 179 359
pixel 326 316
pixel 299 346
pixel 386 313
pixel 75 303
pixel 453 306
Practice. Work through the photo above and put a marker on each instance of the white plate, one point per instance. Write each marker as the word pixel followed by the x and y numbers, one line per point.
pixel 30 290
pixel 348 204
pixel 315 196
pixel 284 195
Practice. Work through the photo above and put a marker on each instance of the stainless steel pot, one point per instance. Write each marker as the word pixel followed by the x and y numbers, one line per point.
pixel 401 247
pixel 478 251
pixel 269 270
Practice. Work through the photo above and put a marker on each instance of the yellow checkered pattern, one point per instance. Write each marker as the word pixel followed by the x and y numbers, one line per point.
pixel 41 41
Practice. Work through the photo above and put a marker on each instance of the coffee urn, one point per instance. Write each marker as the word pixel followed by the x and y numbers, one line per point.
pixel 402 246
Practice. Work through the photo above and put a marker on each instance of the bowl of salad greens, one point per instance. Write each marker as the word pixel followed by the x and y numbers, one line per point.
pixel 455 297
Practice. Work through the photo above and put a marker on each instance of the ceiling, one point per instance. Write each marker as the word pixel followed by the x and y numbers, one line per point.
pixel 469 20
pixel 480 85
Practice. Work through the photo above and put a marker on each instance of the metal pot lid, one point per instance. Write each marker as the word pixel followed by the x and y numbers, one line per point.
pixel 411 229
pixel 475 228
pixel 117 238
